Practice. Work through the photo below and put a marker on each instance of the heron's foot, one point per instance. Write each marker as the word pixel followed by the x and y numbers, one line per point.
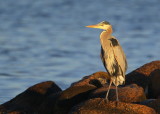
pixel 105 100
pixel 100 102
pixel 117 103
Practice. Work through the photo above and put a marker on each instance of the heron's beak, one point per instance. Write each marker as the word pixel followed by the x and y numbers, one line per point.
pixel 106 27
pixel 94 26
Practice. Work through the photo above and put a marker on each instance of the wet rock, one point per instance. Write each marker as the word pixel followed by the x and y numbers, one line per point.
pixel 99 106
pixel 154 84
pixel 129 93
pixel 30 100
pixel 97 80
pixel 153 103
pixel 141 75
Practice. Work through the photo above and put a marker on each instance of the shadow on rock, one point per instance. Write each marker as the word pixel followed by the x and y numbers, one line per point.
pixel 97 79
pixel 154 84
pixel 153 103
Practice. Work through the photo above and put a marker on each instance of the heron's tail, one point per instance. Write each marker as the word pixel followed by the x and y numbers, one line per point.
pixel 118 80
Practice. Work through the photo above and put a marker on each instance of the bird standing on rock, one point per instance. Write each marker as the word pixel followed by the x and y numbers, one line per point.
pixel 112 56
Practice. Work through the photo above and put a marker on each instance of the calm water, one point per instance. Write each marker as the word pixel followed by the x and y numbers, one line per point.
pixel 47 40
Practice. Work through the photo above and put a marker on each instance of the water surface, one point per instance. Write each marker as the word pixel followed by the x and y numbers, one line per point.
pixel 47 40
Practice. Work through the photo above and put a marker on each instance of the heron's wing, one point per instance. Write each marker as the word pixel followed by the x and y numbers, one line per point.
pixel 108 59
pixel 102 55
pixel 119 54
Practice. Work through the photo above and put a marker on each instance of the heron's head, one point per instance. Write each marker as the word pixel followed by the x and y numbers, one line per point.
pixel 102 25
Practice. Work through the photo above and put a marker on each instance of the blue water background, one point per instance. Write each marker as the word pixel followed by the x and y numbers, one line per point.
pixel 44 40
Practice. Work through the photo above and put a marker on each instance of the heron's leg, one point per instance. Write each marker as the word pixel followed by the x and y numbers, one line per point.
pixel 106 98
pixel 108 90
pixel 117 94
pixel 117 100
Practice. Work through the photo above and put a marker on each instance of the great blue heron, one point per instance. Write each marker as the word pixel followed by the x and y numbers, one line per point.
pixel 112 56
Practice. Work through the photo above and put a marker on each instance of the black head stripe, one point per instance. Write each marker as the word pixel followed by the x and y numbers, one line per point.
pixel 104 23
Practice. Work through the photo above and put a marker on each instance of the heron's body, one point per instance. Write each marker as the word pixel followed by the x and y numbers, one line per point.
pixel 112 55
pixel 113 58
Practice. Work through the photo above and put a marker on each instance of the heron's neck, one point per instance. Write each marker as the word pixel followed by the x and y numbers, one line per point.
pixel 106 33
pixel 109 30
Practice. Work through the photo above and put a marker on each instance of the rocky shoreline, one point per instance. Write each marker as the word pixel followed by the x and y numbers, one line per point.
pixel 139 95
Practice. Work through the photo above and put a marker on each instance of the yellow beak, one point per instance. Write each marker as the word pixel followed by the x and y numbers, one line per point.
pixel 94 26
pixel 104 27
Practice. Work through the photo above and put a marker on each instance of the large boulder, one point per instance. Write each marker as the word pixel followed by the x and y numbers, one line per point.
pixel 100 106
pixel 146 76
pixel 49 104
pixel 129 93
pixel 79 91
pixel 70 97
pixel 30 100
pixel 154 85
pixel 153 103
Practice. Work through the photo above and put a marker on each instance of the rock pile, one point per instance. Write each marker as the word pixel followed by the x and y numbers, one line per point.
pixel 139 95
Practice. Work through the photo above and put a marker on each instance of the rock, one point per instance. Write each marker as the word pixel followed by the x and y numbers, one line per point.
pixel 146 101
pixel 39 98
pixel 48 98
pixel 79 92
pixel 70 97
pixel 155 104
pixel 129 93
pixel 99 106
pixel 97 80
pixel 154 84
pixel 141 75
pixel 49 104
pixel 30 100
pixel 15 112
